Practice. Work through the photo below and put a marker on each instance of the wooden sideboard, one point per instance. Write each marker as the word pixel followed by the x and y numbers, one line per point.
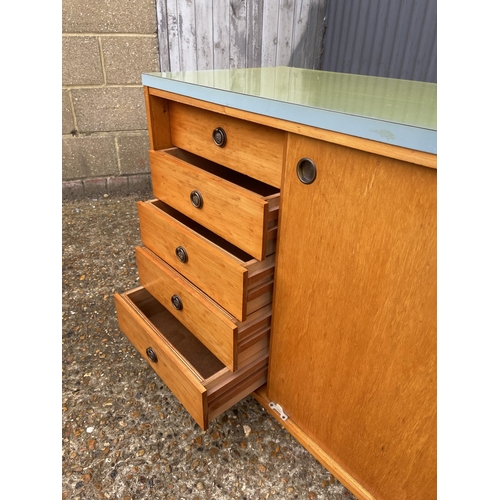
pixel 295 225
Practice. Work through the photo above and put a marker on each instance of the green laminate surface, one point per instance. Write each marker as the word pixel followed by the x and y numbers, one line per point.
pixel 401 112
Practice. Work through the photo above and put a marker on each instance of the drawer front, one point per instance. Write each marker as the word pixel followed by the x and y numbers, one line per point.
pixel 220 272
pixel 252 149
pixel 170 366
pixel 199 381
pixel 235 213
pixel 196 311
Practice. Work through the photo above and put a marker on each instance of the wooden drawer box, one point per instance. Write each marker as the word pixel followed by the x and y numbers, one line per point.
pixel 252 149
pixel 234 206
pixel 195 376
pixel 228 275
pixel 229 340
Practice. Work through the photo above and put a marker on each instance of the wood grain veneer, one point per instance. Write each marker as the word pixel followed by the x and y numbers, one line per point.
pixel 235 207
pixel 158 119
pixel 252 149
pixel 230 276
pixel 197 378
pixel 206 320
pixel 352 356
pixel 353 350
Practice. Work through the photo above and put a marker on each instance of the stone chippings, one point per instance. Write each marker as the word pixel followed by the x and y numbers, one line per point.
pixel 124 435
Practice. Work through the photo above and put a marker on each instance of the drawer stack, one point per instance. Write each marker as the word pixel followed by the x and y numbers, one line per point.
pixel 202 315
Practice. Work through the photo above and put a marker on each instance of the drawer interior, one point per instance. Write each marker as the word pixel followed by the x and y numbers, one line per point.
pixel 176 334
pixel 225 173
pixel 203 231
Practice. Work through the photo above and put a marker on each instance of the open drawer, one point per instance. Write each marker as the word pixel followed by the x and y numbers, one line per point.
pixel 233 278
pixel 234 206
pixel 228 339
pixel 204 386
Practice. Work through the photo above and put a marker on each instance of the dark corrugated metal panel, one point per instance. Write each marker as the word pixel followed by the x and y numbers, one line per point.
pixel 389 38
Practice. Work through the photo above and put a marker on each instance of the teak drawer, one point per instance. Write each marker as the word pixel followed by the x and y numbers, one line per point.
pixel 194 375
pixel 236 207
pixel 228 275
pixel 229 340
pixel 252 149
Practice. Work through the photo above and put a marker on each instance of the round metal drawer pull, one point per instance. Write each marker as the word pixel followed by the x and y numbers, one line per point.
pixel 176 302
pixel 150 352
pixel 181 254
pixel 219 136
pixel 196 199
pixel 306 170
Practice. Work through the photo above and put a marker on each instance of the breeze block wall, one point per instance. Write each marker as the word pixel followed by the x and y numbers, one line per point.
pixel 106 45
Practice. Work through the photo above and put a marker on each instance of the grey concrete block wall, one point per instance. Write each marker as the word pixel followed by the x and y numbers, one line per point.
pixel 81 61
pixel 106 46
pixel 105 109
pixel 109 16
pixel 125 57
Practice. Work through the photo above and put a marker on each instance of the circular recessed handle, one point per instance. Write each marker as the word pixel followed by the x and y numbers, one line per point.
pixel 306 170
pixel 196 199
pixel 219 136
pixel 176 302
pixel 181 254
pixel 151 354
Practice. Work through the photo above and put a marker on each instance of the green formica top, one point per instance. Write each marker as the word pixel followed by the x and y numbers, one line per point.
pixel 388 110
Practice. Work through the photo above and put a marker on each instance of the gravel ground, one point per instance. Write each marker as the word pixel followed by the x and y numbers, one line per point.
pixel 124 435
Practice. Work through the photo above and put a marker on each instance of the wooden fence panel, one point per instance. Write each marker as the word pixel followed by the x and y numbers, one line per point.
pixel 285 32
pixel 254 33
pixel 270 21
pixel 237 34
pixel 220 34
pixel 204 35
pixel 220 44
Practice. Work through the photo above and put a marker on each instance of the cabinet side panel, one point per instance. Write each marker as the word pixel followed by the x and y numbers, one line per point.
pixel 353 344
pixel 158 121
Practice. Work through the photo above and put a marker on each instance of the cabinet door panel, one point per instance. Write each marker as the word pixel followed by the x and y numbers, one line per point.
pixel 353 344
